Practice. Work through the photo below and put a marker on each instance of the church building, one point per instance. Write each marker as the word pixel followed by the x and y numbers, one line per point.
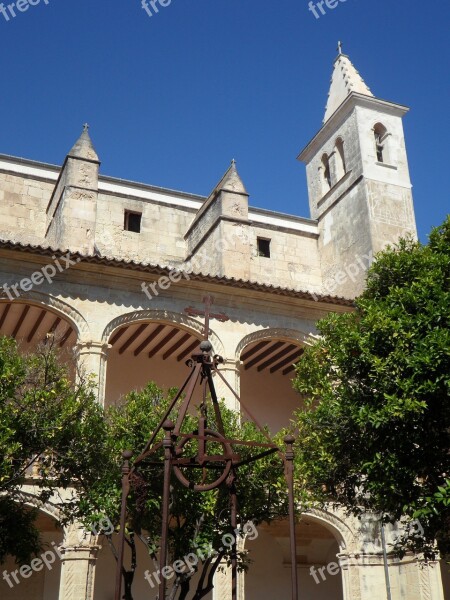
pixel 118 271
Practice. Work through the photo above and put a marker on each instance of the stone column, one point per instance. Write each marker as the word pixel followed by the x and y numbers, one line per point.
pixel 344 565
pixel 92 358
pixel 78 558
pixel 230 369
pixel 222 584
pixel 430 580
pixel 363 577
pixel 349 564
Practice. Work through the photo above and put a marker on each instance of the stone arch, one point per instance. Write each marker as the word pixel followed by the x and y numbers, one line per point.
pixel 288 335
pixel 381 139
pixel 167 316
pixel 323 539
pixel 344 534
pixel 58 306
pixel 46 507
pixel 266 361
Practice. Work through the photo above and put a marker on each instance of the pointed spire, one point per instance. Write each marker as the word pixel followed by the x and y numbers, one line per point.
pixel 232 181
pixel 344 81
pixel 84 148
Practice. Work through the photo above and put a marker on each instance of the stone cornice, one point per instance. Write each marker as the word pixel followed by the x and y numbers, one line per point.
pixel 148 268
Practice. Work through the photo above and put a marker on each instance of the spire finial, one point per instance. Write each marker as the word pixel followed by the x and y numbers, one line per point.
pixel 83 147
pixel 233 162
pixel 344 81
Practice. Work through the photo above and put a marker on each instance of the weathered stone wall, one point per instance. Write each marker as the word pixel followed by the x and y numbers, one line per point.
pixel 161 240
pixel 68 213
pixel 367 207
pixel 345 128
pixel 294 259
pixel 23 203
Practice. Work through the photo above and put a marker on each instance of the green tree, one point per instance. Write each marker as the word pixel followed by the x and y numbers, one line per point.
pixel 199 520
pixel 375 432
pixel 44 418
pixel 56 427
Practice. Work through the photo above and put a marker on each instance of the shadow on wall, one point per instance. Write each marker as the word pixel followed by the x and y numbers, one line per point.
pixel 269 574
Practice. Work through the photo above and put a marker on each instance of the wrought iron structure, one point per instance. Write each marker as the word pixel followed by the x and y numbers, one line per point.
pixel 216 469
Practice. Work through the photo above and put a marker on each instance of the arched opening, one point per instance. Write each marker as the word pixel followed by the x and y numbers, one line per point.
pixel 318 571
pixel 146 351
pixel 266 380
pixel 40 581
pixel 341 167
pixel 326 174
pixel 31 325
pixel 381 143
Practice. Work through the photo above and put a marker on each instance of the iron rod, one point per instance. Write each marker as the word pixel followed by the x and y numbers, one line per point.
pixel 168 428
pixel 289 441
pixel 233 499
pixel 184 407
pixel 123 516
pixel 166 414
pixel 212 390
pixel 246 410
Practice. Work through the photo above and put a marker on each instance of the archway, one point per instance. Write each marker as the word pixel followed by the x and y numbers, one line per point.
pixel 42 581
pixel 32 323
pixel 150 346
pixel 267 369
pixel 319 574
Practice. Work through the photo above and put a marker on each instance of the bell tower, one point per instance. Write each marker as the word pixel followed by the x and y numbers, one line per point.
pixel 358 179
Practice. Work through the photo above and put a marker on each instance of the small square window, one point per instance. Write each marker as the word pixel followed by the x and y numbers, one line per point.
pixel 132 221
pixel 263 247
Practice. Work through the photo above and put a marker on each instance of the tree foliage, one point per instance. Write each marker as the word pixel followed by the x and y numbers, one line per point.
pixel 197 520
pixel 376 429
pixel 44 420
pixel 56 426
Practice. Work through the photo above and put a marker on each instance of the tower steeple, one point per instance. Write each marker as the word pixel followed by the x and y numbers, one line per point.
pixel 344 80
pixel 358 180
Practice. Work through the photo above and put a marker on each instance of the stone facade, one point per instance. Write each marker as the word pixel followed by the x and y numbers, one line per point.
pixel 141 260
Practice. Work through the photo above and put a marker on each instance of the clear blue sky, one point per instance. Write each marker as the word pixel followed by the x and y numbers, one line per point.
pixel 173 98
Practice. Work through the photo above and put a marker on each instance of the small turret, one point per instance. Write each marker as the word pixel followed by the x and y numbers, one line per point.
pixel 72 210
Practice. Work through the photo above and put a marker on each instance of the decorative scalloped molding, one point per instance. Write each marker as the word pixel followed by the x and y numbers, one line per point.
pixel 289 335
pixel 72 315
pixel 346 537
pixel 46 507
pixel 167 316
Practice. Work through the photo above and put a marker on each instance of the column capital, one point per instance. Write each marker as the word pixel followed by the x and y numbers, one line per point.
pixel 231 364
pixel 92 347
pixel 92 357
pixel 79 552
